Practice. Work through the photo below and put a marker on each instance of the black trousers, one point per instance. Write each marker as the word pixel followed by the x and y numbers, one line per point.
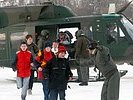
pixel 31 79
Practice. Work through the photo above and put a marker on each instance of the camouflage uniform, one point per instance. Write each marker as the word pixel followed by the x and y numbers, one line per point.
pixel 43 39
pixel 82 57
pixel 104 63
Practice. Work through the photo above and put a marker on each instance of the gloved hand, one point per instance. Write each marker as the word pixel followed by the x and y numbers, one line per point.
pixel 14 69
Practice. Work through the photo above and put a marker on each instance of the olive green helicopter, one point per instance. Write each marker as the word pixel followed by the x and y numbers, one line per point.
pixel 113 30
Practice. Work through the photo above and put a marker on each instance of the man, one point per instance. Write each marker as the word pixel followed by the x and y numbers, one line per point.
pixel 82 57
pixel 104 63
pixel 43 39
pixel 32 47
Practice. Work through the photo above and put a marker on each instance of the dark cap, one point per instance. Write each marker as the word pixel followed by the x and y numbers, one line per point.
pixel 48 44
pixel 92 45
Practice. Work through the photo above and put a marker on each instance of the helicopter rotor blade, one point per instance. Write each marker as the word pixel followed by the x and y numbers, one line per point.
pixel 124 7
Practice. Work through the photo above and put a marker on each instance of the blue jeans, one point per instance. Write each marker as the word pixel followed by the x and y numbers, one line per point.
pixel 54 94
pixel 45 89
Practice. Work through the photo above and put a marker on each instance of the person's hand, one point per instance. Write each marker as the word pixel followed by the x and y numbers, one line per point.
pixel 40 69
pixel 14 69
pixel 70 78
pixel 31 64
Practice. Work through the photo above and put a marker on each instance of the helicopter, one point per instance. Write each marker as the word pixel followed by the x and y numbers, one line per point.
pixel 17 22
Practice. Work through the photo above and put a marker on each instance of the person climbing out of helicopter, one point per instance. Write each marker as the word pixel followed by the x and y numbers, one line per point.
pixel 64 38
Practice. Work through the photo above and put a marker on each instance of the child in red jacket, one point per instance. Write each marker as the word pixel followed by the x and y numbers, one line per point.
pixel 22 65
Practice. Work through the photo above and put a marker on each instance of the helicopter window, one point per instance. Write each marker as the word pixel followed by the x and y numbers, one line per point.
pixel 121 32
pixel 2 41
pixel 128 25
pixel 16 38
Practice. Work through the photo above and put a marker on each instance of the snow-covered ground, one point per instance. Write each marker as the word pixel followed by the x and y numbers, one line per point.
pixel 8 90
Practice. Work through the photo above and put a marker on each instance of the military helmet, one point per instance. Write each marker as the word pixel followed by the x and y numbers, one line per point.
pixel 79 33
pixel 44 33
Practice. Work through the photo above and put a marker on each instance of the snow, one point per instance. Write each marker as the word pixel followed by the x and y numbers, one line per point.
pixel 9 91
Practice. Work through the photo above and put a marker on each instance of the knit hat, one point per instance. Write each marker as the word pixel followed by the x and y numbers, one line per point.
pixel 61 49
pixel 48 44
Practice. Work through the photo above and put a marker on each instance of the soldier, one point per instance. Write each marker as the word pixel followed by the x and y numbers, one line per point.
pixel 43 39
pixel 82 57
pixel 104 63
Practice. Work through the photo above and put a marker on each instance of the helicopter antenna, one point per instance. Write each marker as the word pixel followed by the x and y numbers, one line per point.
pixel 123 8
pixel 111 8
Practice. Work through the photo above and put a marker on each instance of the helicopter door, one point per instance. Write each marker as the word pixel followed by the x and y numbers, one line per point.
pixel 3 49
pixel 52 29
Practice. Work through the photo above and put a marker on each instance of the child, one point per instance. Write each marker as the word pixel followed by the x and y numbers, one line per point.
pixel 55 46
pixel 32 47
pixel 22 64
pixel 43 58
pixel 58 72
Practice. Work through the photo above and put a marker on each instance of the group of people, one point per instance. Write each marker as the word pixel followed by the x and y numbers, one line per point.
pixel 50 60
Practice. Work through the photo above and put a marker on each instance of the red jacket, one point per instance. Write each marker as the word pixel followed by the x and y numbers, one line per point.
pixel 44 57
pixel 23 61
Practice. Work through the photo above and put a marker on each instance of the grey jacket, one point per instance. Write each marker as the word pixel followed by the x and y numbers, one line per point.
pixel 103 61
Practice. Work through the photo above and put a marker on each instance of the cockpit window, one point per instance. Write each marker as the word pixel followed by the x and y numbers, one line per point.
pixel 121 32
pixel 128 25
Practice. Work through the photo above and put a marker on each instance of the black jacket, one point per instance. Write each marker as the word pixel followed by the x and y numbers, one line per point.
pixel 57 71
